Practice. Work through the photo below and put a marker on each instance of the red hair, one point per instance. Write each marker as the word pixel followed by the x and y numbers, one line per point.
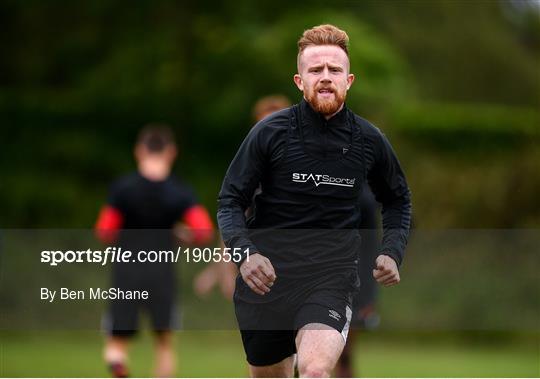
pixel 324 35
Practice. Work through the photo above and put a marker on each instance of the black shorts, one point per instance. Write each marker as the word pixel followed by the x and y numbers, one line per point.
pixel 269 329
pixel 122 318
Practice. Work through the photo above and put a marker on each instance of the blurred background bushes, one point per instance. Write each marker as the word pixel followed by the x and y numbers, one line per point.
pixel 456 86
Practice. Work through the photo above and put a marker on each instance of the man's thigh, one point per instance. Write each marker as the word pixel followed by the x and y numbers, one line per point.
pixel 324 310
pixel 269 330
pixel 319 347
pixel 322 333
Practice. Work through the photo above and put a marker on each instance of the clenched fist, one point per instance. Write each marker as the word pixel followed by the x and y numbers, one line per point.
pixel 258 273
pixel 386 271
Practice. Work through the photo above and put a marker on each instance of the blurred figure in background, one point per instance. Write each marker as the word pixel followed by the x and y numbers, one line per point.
pixel 155 200
pixel 223 274
pixel 364 316
pixel 267 105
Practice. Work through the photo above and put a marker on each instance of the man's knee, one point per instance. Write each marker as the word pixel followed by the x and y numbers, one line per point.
pixel 314 369
pixel 319 347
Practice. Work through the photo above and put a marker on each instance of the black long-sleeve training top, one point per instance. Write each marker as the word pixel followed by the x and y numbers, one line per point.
pixel 311 172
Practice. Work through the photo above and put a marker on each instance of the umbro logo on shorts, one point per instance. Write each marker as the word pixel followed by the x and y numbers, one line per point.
pixel 336 316
pixel 319 179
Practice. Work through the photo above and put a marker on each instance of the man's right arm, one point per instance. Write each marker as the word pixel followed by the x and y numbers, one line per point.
pixel 241 180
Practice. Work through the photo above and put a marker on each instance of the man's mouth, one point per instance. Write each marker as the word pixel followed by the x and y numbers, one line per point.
pixel 325 91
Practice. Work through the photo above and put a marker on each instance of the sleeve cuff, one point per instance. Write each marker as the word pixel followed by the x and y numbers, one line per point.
pixel 396 257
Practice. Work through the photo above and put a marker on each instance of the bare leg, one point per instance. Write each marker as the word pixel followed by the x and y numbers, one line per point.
pixel 319 347
pixel 115 354
pixel 283 369
pixel 164 355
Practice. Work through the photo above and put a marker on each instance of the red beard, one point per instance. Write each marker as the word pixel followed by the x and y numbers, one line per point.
pixel 326 107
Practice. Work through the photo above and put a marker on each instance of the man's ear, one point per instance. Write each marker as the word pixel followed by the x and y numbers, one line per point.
pixel 350 80
pixel 298 81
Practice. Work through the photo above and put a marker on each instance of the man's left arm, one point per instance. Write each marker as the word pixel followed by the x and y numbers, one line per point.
pixel 389 185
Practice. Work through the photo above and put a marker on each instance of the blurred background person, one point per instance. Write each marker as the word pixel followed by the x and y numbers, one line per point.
pixel 223 274
pixel 267 105
pixel 153 201
pixel 364 316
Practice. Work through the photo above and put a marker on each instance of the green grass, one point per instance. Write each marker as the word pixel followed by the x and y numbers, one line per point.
pixel 219 353
pixel 388 359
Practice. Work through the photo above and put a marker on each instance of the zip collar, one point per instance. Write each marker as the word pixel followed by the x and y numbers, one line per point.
pixel 312 118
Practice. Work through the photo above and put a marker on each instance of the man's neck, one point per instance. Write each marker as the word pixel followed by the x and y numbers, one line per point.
pixel 327 117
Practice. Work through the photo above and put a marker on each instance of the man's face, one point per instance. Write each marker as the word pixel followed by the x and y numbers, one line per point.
pixel 166 156
pixel 323 76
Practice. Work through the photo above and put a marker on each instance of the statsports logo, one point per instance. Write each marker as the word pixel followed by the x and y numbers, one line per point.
pixel 319 179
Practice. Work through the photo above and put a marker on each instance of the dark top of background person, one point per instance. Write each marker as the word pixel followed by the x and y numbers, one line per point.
pixel 152 197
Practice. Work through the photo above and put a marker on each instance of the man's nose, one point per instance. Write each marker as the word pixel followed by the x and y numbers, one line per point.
pixel 325 81
pixel 326 76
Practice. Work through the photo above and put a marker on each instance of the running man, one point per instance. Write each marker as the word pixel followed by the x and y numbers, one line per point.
pixel 312 161
pixel 154 200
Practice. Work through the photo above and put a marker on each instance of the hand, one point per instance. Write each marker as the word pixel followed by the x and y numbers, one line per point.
pixel 386 271
pixel 206 280
pixel 258 273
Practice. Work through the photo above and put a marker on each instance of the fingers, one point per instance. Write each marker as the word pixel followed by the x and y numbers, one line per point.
pixel 386 272
pixel 258 274
pixel 383 277
pixel 257 285
pixel 391 282
pixel 386 277
pixel 268 270
pixel 254 288
pixel 264 273
pixel 389 279
pixel 379 273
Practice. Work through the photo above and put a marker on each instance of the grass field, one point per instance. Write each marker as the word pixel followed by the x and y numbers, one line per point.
pixel 219 353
